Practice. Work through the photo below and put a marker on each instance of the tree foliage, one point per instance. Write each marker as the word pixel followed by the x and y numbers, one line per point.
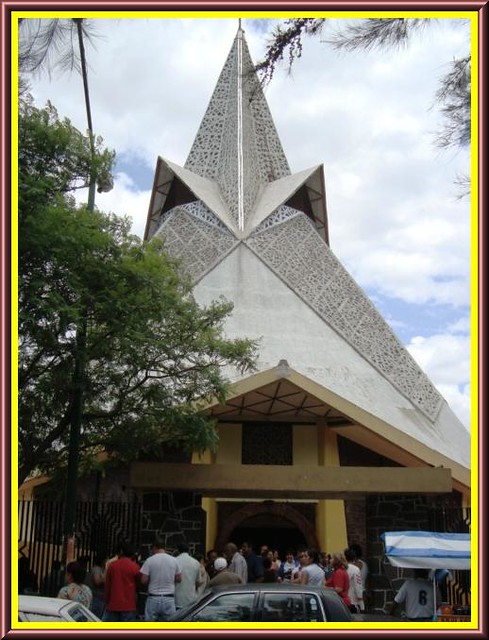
pixel 45 45
pixel 152 354
pixel 287 37
pixel 51 45
pixel 54 157
pixel 376 32
pixel 453 95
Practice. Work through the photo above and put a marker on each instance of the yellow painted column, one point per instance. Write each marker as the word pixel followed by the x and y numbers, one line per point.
pixel 330 514
pixel 209 505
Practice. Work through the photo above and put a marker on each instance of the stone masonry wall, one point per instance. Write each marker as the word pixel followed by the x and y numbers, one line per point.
pixel 173 516
pixel 389 513
pixel 356 530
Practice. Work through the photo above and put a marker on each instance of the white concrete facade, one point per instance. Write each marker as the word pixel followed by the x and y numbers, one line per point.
pixel 266 309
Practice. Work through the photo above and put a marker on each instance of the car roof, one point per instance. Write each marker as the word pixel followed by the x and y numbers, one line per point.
pixel 271 586
pixel 328 594
pixel 41 604
pixel 331 598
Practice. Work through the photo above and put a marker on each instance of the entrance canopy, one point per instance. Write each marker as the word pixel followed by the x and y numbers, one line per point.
pixel 427 550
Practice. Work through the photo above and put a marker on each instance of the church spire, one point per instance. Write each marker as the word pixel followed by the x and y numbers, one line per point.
pixel 237 144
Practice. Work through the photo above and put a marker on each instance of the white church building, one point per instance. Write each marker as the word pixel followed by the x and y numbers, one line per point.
pixel 338 427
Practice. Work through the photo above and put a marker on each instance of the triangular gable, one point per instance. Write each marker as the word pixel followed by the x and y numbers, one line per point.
pixel 200 188
pixel 357 424
pixel 285 192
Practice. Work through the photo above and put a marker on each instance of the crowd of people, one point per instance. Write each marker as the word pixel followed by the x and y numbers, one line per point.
pixel 111 586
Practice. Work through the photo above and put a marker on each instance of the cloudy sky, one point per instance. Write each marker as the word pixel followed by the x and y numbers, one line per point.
pixel 394 217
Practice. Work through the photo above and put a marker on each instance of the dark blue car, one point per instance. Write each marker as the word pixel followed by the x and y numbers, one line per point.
pixel 267 603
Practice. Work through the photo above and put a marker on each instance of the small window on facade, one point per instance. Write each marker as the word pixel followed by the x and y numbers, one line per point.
pixel 266 443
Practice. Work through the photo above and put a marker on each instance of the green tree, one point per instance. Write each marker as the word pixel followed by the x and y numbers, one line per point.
pixel 57 44
pixel 38 39
pixel 453 95
pixel 151 353
pixel 55 159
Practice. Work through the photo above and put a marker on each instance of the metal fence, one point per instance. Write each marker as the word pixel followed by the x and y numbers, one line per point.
pixel 453 520
pixel 99 527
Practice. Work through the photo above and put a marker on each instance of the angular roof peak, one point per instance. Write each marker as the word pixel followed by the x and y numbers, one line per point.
pixel 237 144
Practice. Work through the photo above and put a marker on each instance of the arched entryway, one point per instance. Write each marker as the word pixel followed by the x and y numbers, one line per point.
pixel 278 525
pixel 275 532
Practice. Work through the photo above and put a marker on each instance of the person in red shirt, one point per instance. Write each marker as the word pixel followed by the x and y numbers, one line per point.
pixel 121 583
pixel 339 580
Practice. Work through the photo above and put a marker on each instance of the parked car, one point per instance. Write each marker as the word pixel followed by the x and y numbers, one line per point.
pixel 42 609
pixel 264 602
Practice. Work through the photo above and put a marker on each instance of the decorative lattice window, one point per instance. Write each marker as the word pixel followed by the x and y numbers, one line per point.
pixel 266 443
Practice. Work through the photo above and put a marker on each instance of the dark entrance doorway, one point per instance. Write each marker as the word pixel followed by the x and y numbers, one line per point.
pixel 278 525
pixel 272 531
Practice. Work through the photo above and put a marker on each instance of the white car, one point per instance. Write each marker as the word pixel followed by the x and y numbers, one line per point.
pixel 41 609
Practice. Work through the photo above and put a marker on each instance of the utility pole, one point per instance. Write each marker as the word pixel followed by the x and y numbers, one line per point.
pixel 80 350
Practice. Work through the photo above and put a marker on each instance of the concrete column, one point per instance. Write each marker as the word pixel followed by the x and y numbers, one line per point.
pixel 229 452
pixel 209 505
pixel 330 514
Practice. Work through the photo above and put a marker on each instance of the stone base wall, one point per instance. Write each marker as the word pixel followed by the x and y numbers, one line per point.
pixel 356 529
pixel 173 516
pixel 389 513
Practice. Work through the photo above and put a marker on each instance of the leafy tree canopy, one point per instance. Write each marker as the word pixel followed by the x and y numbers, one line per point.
pixel 55 159
pixel 152 354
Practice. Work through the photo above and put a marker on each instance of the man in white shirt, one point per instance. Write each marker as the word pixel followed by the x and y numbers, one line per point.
pixel 160 572
pixel 237 563
pixel 362 565
pixel 355 592
pixel 186 589
pixel 416 595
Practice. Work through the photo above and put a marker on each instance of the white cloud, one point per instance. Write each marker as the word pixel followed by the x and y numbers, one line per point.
pixel 459 398
pixel 460 326
pixel 445 358
pixel 437 355
pixel 126 200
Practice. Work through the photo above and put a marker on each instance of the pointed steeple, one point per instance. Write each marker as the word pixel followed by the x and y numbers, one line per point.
pixel 237 144
pixel 236 203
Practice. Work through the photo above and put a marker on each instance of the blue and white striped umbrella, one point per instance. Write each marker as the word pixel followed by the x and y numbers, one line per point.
pixel 427 550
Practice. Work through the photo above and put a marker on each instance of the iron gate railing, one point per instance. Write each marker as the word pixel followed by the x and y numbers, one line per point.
pixel 453 520
pixel 99 527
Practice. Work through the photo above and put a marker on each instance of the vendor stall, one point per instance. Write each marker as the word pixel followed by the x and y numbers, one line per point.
pixel 430 550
